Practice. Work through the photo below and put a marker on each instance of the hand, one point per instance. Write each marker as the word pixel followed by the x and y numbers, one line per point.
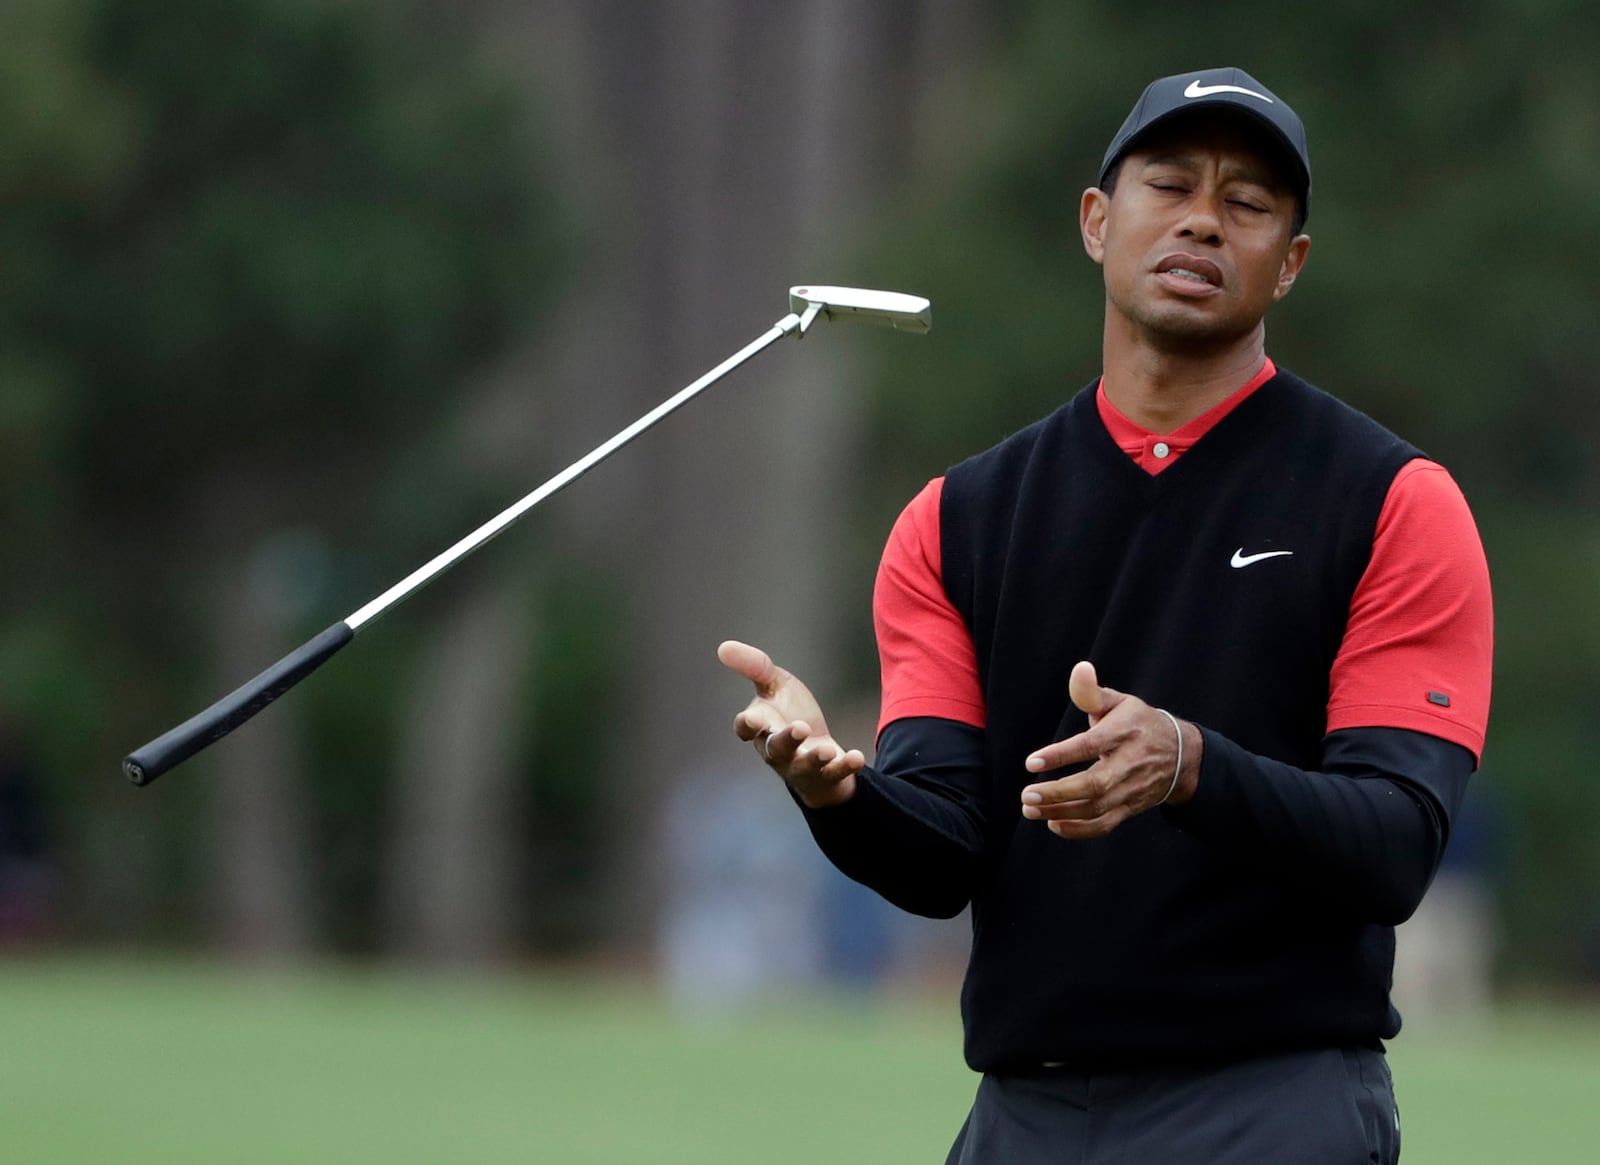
pixel 1134 750
pixel 786 725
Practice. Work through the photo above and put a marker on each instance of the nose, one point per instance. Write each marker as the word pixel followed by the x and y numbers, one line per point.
pixel 1203 220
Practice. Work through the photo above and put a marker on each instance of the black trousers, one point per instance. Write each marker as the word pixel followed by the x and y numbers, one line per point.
pixel 1332 1107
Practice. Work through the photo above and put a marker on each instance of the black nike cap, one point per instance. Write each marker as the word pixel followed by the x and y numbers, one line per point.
pixel 1232 89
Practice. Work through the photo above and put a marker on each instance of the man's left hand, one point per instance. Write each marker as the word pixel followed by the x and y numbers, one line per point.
pixel 1134 751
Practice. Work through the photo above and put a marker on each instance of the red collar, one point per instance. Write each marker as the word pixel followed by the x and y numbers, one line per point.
pixel 1157 451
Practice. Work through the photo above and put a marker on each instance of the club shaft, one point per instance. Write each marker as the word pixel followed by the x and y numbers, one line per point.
pixel 144 765
pixel 504 520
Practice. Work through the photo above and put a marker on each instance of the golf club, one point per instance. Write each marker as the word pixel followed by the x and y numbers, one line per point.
pixel 907 313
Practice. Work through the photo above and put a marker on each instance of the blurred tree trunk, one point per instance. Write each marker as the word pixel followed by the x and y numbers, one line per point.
pixel 720 156
pixel 745 520
pixel 451 858
pixel 733 150
pixel 259 846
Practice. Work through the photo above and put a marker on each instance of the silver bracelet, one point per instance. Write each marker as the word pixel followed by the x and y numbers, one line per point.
pixel 1177 770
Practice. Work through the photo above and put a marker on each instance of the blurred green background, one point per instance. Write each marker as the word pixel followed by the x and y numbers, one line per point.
pixel 293 293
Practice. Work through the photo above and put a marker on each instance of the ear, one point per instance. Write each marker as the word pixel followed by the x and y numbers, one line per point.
pixel 1092 222
pixel 1299 247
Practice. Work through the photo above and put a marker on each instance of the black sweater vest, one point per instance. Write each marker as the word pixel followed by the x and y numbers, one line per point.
pixel 1150 945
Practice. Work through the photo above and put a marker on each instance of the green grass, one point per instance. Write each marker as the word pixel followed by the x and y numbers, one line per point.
pixel 1525 1088
pixel 151 1063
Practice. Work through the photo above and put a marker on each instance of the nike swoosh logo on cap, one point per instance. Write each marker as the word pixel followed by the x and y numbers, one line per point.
pixel 1240 558
pixel 1196 89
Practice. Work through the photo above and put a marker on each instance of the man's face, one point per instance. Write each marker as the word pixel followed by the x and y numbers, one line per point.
pixel 1196 240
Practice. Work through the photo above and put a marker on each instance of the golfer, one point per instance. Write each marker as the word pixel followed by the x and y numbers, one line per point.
pixel 1182 687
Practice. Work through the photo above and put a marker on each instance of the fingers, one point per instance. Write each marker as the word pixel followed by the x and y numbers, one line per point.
pixel 1075 750
pixel 815 767
pixel 1133 755
pixel 761 719
pixel 829 765
pixel 1088 694
pixel 1093 827
pixel 752 663
pixel 1088 804
pixel 798 753
pixel 1088 817
pixel 1082 795
pixel 795 749
pixel 782 744
pixel 1092 697
pixel 787 727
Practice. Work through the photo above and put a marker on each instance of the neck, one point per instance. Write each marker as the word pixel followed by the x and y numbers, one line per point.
pixel 1163 388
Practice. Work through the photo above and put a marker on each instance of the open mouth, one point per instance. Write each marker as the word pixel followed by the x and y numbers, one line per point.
pixel 1189 274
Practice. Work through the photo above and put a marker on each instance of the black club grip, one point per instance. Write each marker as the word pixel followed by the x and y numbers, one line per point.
pixel 145 764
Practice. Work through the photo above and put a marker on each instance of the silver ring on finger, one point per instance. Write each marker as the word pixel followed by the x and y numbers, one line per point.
pixel 761 746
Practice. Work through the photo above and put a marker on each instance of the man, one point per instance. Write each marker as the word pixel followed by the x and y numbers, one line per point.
pixel 1182 686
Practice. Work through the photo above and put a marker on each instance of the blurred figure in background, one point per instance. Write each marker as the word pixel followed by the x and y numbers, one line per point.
pixel 741 896
pixel 752 908
pixel 1444 953
pixel 861 933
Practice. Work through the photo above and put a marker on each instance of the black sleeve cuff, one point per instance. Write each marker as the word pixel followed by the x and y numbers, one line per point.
pixel 913 829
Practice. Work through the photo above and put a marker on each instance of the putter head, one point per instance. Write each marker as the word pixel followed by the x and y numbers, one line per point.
pixel 890 309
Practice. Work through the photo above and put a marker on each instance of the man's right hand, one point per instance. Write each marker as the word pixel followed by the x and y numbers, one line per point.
pixel 786 725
